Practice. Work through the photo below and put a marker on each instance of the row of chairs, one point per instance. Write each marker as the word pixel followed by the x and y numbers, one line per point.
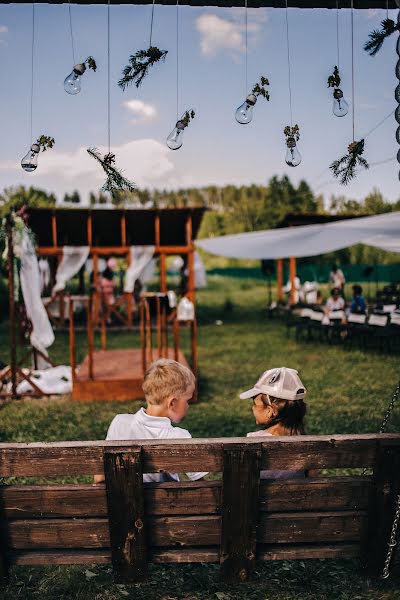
pixel 390 294
pixel 379 330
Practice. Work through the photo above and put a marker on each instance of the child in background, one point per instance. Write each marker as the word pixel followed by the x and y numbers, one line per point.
pixel 358 305
pixel 278 405
pixel 168 386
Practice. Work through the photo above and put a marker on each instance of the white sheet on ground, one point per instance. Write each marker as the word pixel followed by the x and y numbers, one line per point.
pixel 380 231
pixel 73 259
pixel 42 335
pixel 139 268
pixel 55 380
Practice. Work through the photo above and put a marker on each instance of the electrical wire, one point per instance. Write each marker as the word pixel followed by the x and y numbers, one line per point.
pixel 288 61
pixel 352 70
pixel 151 24
pixel 177 59
pixel 246 49
pixel 71 32
pixel 108 79
pixel 378 125
pixel 337 34
pixel 32 72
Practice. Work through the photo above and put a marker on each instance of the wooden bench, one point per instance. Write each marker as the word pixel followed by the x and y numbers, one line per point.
pixel 233 521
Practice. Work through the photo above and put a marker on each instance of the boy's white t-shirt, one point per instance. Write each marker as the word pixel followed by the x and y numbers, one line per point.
pixel 142 426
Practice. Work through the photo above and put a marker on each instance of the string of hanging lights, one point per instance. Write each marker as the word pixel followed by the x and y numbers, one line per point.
pixel 340 107
pixel 291 132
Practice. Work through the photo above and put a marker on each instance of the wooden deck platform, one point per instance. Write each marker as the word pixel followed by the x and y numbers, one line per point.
pixel 117 375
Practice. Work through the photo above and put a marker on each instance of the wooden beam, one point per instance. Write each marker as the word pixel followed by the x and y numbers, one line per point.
pixel 358 4
pixel 124 484
pixel 163 274
pixel 116 250
pixel 241 477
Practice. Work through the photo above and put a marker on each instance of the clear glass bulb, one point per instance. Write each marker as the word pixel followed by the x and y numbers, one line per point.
pixel 293 156
pixel 72 83
pixel 30 160
pixel 175 138
pixel 340 107
pixel 244 114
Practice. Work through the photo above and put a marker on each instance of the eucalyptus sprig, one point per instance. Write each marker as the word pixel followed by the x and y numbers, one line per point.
pixel 377 37
pixel 292 132
pixel 334 79
pixel 90 63
pixel 345 167
pixel 45 142
pixel 115 181
pixel 139 64
pixel 261 88
pixel 187 117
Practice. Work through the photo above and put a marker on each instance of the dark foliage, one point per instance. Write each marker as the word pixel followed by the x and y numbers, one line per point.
pixel 377 37
pixel 115 181
pixel 345 168
pixel 139 65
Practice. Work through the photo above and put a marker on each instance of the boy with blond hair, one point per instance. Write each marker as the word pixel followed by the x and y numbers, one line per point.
pixel 168 387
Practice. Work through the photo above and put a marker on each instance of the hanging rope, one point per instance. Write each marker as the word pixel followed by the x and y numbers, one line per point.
pixel 337 34
pixel 352 69
pixel 397 94
pixel 151 24
pixel 71 32
pixel 245 51
pixel 288 61
pixel 108 78
pixel 32 72
pixel 177 59
pixel 378 125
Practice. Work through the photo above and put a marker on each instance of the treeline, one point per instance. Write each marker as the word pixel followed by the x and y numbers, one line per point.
pixel 233 209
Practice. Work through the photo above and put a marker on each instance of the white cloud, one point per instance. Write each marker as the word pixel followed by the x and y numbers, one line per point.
pixel 147 162
pixel 3 29
pixel 227 35
pixel 142 111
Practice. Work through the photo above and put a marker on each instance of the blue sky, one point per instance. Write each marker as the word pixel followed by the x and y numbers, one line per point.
pixel 216 149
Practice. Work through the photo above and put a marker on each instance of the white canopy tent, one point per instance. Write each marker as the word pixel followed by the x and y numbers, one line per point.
pixel 380 231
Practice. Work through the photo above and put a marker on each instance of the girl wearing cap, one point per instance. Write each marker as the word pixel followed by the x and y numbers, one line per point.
pixel 278 405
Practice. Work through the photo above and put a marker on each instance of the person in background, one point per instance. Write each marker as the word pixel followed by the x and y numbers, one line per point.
pixel 358 304
pixel 335 302
pixel 337 278
pixel 107 286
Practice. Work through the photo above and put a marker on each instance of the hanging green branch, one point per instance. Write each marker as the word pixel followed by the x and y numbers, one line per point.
pixel 377 37
pixel 292 132
pixel 115 181
pixel 345 167
pixel 90 63
pixel 139 64
pixel 45 142
pixel 187 117
pixel 334 79
pixel 261 88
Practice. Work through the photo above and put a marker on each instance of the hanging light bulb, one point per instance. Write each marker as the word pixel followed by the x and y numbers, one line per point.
pixel 244 114
pixel 293 156
pixel 175 138
pixel 30 160
pixel 72 83
pixel 340 106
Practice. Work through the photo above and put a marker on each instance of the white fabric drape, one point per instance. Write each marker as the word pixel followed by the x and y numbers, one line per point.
pixel 42 335
pixel 74 257
pixel 141 258
pixel 200 277
pixel 380 231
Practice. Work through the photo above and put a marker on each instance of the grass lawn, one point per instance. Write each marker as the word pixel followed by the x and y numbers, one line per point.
pixel 347 393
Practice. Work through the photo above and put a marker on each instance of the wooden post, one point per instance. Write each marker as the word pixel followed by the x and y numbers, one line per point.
pixel 164 328
pixel 157 235
pixel 163 274
pixel 176 340
pixel 90 334
pixel 123 229
pixel 382 506
pixel 54 229
pixel 279 279
pixel 72 339
pixel 292 269
pixel 11 308
pixel 89 230
pixel 124 485
pixel 159 326
pixel 143 335
pixel 149 341
pixel 240 487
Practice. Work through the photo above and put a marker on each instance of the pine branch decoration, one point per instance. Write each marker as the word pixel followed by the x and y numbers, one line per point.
pixel 91 63
pixel 377 37
pixel 187 117
pixel 345 168
pixel 45 142
pixel 139 65
pixel 292 132
pixel 261 88
pixel 115 181
pixel 334 79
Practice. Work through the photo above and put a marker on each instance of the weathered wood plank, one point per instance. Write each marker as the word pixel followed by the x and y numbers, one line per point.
pixel 382 508
pixel 184 498
pixel 124 487
pixel 82 458
pixel 299 551
pixel 241 477
pixel 311 528
pixel 185 531
pixel 61 557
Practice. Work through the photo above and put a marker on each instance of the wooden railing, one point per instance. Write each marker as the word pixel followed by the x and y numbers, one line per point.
pixel 234 521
